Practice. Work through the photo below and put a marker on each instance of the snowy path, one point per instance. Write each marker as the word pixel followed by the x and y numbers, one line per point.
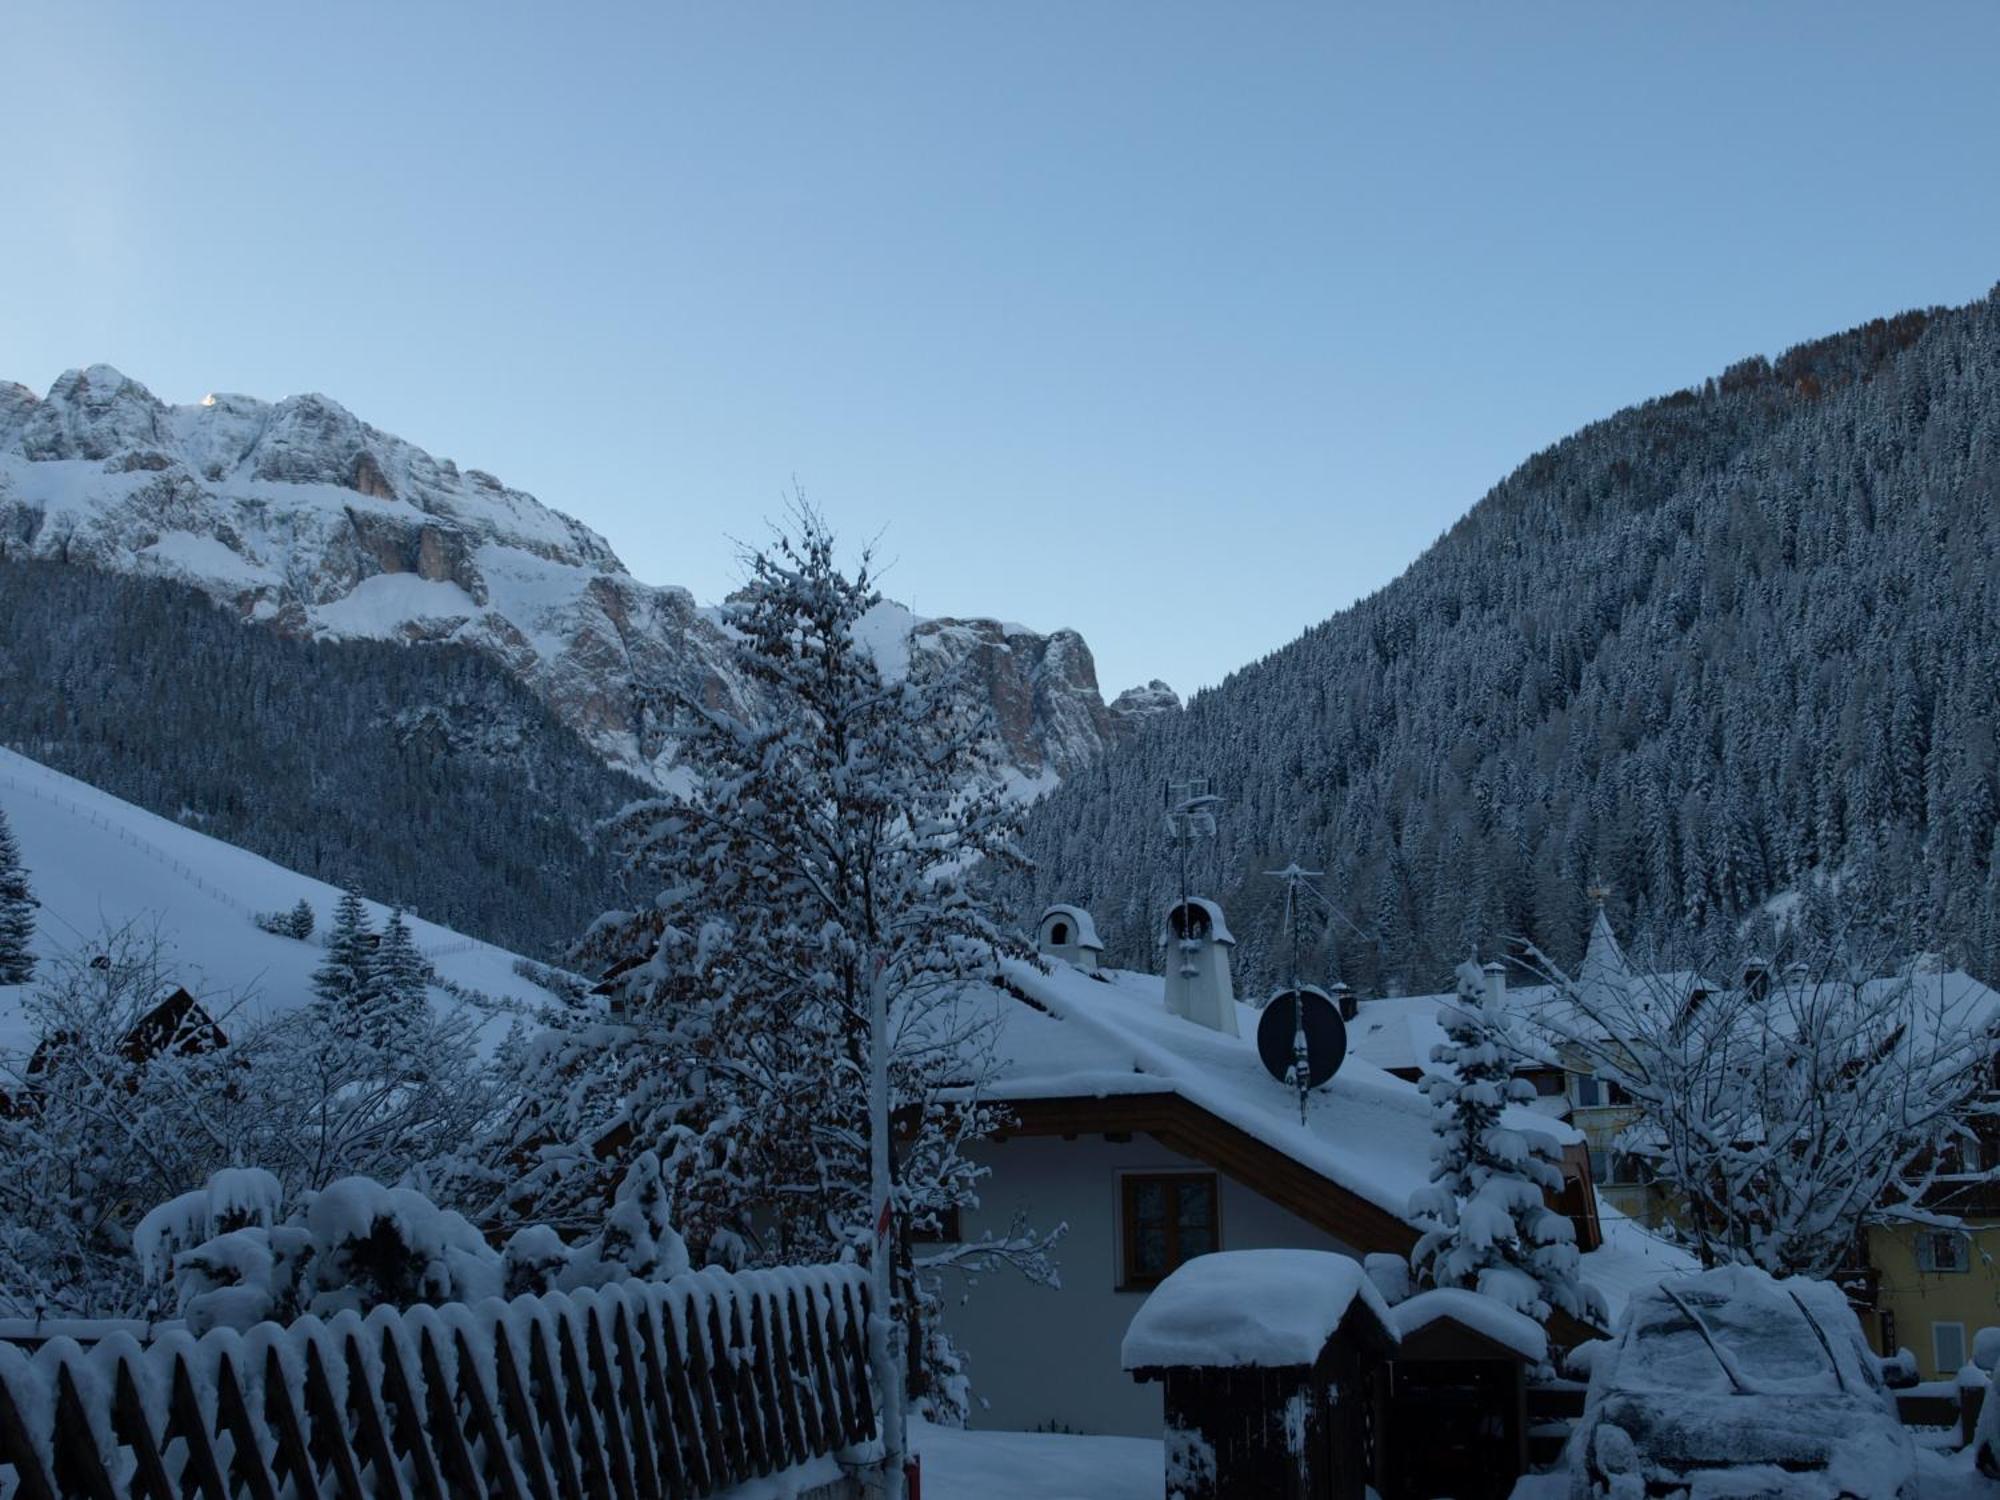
pixel 1036 1465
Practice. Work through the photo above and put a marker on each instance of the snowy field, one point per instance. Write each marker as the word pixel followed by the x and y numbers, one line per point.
pixel 97 863
pixel 961 1465
pixel 1051 1466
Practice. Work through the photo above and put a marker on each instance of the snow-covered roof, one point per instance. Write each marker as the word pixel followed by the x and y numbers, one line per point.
pixel 1262 1308
pixel 1397 1032
pixel 1483 1315
pixel 1086 930
pixel 1218 928
pixel 1081 1037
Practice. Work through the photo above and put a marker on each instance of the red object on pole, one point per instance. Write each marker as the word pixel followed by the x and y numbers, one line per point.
pixel 913 1477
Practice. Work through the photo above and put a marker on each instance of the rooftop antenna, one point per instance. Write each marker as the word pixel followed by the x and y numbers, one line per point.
pixel 1295 885
pixel 1297 882
pixel 1191 809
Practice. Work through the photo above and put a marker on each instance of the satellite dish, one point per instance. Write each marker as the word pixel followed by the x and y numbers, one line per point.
pixel 1305 1008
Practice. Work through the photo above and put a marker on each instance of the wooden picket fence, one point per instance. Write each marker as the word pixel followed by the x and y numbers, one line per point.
pixel 675 1389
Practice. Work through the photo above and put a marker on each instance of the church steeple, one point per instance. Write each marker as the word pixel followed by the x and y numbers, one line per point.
pixel 1604 974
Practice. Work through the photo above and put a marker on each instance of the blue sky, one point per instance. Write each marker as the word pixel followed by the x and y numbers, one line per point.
pixel 1181 325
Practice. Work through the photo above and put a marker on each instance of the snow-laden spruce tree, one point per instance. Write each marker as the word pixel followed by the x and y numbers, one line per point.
pixel 17 912
pixel 1486 1225
pixel 828 840
pixel 402 974
pixel 345 980
pixel 381 1083
pixel 1812 1091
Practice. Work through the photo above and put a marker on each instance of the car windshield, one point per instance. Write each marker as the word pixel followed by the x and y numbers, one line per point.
pixel 1696 1340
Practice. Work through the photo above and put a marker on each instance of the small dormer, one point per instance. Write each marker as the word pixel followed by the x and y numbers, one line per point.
pixel 1068 934
pixel 1197 942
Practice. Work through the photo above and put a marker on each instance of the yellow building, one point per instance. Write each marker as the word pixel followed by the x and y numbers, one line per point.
pixel 1934 1287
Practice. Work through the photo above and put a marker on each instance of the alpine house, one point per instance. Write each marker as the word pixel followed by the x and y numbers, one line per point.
pixel 1155 1138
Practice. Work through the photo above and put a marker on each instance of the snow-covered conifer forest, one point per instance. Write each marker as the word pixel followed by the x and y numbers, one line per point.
pixel 1735 643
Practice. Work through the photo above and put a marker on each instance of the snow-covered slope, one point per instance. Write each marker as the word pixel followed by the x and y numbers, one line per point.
pixel 302 517
pixel 97 864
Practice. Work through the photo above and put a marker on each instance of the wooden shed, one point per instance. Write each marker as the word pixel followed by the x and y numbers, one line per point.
pixel 1268 1357
pixel 1452 1404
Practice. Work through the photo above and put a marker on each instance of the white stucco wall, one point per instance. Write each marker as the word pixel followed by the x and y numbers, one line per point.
pixel 1038 1356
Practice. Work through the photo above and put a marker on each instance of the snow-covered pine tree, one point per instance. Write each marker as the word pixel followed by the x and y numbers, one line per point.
pixel 1486 1226
pixel 347 973
pixel 299 923
pixel 17 912
pixel 402 974
pixel 830 839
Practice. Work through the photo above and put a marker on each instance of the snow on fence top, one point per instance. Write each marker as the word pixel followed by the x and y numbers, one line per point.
pixel 685 1387
pixel 1483 1315
pixel 1250 1307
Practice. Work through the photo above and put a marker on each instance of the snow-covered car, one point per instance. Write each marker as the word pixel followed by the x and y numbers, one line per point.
pixel 1735 1384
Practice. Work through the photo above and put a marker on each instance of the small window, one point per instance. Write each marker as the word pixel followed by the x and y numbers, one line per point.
pixel 1059 933
pixel 1589 1092
pixel 1943 1250
pixel 1167 1220
pixel 1948 1344
pixel 1600 1164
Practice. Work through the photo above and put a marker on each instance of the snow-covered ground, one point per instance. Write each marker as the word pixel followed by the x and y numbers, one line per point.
pixel 961 1465
pixel 97 863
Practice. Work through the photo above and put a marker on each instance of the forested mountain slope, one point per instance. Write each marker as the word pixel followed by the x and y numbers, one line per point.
pixel 427 777
pixel 1727 644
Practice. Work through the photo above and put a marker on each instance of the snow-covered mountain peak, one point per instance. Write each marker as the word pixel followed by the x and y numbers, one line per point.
pixel 301 516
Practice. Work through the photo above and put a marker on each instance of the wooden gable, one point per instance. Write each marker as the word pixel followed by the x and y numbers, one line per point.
pixel 1185 1127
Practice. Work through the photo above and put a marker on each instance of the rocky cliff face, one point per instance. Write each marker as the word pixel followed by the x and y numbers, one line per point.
pixel 309 521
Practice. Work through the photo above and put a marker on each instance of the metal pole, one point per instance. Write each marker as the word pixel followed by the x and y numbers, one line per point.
pixel 884 1329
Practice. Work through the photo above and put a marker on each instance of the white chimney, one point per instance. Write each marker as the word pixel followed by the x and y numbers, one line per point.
pixel 1495 975
pixel 1199 987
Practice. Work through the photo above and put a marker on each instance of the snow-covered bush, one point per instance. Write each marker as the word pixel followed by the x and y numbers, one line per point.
pixel 124 1101
pixel 297 922
pixel 1986 1349
pixel 359 1245
pixel 134 1097
pixel 1986 1435
pixel 1486 1226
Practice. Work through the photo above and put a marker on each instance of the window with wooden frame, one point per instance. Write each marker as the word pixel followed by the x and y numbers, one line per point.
pixel 1167 1219
pixel 1943 1250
